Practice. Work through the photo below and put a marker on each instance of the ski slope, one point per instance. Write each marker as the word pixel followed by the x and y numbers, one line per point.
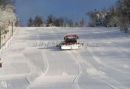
pixel 31 60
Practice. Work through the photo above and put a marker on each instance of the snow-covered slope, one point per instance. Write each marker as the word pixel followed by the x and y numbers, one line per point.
pixel 33 62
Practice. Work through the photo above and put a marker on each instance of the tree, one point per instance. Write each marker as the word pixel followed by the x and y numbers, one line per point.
pixel 38 21
pixel 3 3
pixel 17 23
pixel 82 22
pixel 58 22
pixel 70 23
pixel 61 21
pixel 30 22
pixel 50 20
pixel 123 6
pixel 92 16
pixel 76 24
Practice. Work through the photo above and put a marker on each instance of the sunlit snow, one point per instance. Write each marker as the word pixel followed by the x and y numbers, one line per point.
pixel 32 61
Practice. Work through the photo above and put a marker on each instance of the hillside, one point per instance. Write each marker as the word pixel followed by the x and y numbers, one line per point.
pixel 31 60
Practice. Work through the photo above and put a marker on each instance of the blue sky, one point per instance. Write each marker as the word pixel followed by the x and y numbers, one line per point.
pixel 73 9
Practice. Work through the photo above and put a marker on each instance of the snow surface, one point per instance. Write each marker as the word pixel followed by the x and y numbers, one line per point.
pixel 32 61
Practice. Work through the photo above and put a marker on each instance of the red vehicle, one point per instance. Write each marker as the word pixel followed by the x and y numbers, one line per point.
pixel 70 42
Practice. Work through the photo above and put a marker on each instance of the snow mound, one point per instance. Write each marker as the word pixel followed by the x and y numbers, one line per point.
pixel 95 72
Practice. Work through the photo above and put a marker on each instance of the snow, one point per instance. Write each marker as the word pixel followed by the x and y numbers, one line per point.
pixel 32 60
pixel 72 46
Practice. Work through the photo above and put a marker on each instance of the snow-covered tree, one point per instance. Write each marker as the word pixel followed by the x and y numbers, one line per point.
pixel 123 11
pixel 4 3
pixel 7 20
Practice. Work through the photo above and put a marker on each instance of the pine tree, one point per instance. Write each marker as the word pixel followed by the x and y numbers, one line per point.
pixel 30 22
pixel 50 20
pixel 38 21
pixel 59 22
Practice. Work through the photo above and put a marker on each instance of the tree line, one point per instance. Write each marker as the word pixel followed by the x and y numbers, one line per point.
pixel 51 20
pixel 117 15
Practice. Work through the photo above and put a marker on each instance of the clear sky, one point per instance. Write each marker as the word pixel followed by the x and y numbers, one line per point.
pixel 73 9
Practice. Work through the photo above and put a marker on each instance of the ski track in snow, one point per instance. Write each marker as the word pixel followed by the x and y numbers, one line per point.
pixel 28 64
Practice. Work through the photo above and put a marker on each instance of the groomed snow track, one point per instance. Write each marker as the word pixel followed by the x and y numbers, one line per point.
pixel 32 61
